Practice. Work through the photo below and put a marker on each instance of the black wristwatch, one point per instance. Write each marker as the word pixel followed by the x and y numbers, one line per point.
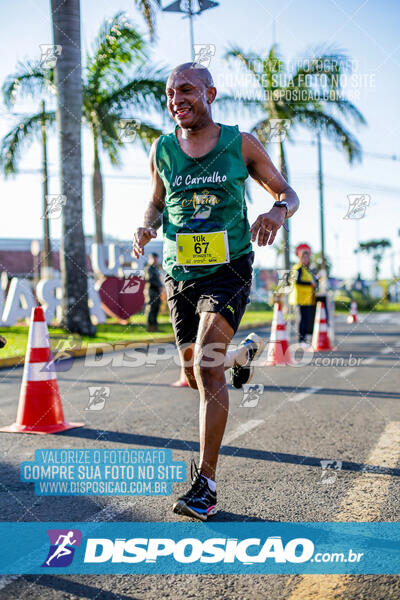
pixel 283 203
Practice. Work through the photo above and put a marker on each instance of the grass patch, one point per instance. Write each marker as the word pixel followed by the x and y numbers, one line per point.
pixel 110 332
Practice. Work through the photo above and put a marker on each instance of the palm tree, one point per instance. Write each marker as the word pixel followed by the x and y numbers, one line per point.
pixel 110 94
pixel 22 134
pixel 67 34
pixel 309 95
pixel 377 249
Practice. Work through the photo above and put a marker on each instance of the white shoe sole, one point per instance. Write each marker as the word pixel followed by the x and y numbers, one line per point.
pixel 181 508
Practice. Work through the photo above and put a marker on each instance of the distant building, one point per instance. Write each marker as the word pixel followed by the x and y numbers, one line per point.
pixel 17 260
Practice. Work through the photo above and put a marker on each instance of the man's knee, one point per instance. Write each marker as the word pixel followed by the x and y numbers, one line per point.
pixel 209 375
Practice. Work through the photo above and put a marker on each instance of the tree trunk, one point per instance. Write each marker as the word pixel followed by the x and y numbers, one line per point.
pixel 66 32
pixel 46 261
pixel 286 234
pixel 98 199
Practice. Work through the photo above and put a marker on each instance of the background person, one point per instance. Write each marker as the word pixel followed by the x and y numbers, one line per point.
pixel 152 291
pixel 302 294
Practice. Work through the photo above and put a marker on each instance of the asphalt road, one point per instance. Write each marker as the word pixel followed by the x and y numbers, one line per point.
pixel 270 467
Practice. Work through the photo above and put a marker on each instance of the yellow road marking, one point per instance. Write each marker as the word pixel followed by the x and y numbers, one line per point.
pixel 362 503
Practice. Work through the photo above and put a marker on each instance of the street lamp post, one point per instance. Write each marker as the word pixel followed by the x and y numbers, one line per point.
pixel 188 8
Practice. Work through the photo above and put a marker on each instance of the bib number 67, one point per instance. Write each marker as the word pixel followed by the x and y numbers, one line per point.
pixel 198 247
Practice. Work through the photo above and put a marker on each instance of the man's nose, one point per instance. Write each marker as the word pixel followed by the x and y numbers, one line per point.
pixel 178 97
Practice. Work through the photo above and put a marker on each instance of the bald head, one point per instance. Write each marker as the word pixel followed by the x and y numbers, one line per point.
pixel 195 70
pixel 190 92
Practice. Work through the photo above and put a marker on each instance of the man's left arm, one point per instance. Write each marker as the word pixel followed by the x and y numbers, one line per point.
pixel 262 170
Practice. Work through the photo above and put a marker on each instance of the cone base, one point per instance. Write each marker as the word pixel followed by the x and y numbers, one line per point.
pixel 44 430
pixel 351 320
pixel 323 349
pixel 180 383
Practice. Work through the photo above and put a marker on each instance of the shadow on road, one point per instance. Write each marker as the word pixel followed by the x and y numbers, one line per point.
pixel 191 446
pixel 81 590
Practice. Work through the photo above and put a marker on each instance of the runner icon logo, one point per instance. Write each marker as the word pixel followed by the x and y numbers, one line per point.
pixel 358 204
pixel 61 551
pixel 329 471
pixel 97 397
pixel 251 394
pixel 203 54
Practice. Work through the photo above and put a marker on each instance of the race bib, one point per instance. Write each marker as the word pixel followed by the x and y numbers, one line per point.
pixel 202 249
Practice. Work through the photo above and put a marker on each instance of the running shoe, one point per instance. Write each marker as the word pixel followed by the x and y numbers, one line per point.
pixel 199 502
pixel 243 374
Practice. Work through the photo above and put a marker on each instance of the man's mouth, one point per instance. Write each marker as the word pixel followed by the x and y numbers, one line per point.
pixel 182 112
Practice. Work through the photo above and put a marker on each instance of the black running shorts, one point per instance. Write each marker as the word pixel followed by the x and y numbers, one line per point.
pixel 226 292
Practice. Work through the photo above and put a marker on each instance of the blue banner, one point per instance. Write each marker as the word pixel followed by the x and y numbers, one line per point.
pixel 213 547
pixel 103 472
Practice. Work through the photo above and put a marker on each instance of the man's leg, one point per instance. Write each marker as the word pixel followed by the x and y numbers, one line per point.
pixel 214 336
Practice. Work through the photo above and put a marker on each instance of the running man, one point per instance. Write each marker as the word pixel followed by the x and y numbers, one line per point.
pixel 198 175
pixel 62 549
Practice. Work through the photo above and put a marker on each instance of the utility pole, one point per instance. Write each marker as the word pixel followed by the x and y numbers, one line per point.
pixel 321 200
pixel 46 253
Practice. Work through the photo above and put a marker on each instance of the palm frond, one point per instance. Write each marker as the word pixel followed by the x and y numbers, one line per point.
pixel 146 89
pixel 346 108
pixel 29 79
pixel 19 137
pixel 235 104
pixel 249 60
pixel 148 8
pixel 117 46
pixel 334 130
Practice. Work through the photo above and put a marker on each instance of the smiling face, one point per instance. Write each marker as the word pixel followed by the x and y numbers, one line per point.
pixel 190 92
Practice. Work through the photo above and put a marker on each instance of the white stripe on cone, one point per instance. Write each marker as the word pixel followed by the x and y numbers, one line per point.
pixel 38 335
pixel 43 371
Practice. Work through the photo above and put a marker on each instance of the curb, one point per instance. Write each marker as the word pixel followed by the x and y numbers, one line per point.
pixel 107 347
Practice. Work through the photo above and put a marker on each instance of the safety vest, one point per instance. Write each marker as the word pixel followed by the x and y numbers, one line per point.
pixel 302 293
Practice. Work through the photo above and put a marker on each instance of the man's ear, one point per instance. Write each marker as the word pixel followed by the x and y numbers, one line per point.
pixel 211 94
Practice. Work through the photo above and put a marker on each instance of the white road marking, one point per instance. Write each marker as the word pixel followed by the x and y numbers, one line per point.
pixel 386 350
pixel 369 360
pixel 346 372
pixel 241 430
pixel 307 392
pixel 362 503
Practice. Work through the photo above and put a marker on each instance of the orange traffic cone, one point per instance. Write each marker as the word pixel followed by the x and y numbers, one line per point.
pixel 320 338
pixel 352 318
pixel 39 408
pixel 278 348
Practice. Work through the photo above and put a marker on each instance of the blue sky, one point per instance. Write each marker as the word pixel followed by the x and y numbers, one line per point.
pixel 366 30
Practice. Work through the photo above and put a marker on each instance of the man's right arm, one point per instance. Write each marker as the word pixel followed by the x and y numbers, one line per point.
pixel 153 215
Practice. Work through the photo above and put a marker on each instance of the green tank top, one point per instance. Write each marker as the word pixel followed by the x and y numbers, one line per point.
pixel 203 194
